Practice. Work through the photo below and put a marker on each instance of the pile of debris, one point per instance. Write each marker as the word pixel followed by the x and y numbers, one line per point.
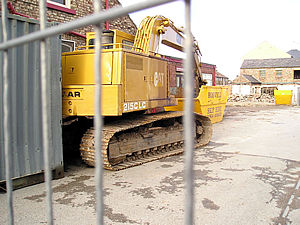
pixel 265 98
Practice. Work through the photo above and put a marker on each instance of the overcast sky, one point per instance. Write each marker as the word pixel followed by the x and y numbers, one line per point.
pixel 227 29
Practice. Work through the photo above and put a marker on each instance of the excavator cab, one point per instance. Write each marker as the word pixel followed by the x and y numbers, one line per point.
pixel 107 40
pixel 110 39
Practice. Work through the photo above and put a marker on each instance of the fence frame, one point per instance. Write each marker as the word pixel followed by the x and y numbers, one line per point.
pixel 95 19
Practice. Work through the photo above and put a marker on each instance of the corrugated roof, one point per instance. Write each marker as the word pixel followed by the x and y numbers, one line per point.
pixel 270 63
pixel 252 79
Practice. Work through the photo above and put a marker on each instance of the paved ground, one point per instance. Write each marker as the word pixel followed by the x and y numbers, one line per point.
pixel 248 174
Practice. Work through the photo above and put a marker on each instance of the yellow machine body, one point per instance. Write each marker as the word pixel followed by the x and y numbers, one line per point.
pixel 135 78
pixel 131 81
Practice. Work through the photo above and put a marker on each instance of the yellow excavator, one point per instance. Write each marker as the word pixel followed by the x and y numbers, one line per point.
pixel 135 84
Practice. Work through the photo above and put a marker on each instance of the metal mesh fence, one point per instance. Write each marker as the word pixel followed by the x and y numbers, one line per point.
pixel 95 19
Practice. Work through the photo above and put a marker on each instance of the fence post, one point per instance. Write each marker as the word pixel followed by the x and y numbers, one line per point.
pixel 6 123
pixel 98 122
pixel 189 122
pixel 45 116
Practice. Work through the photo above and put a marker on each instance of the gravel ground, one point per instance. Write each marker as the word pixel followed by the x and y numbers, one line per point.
pixel 248 174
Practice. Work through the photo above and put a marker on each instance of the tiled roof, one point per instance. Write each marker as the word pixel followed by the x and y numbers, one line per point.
pixel 270 63
pixel 218 74
pixel 295 53
pixel 252 79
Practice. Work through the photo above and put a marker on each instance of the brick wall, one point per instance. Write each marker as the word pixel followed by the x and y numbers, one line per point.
pixel 240 79
pixel 82 8
pixel 177 65
pixel 270 75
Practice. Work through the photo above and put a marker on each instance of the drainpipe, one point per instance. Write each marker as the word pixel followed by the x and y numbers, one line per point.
pixel 214 76
pixel 106 22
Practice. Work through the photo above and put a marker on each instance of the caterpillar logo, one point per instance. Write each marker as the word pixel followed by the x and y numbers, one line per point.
pixel 158 78
pixel 71 94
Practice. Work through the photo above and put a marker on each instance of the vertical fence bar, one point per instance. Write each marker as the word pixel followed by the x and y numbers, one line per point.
pixel 98 122
pixel 189 123
pixel 45 116
pixel 6 124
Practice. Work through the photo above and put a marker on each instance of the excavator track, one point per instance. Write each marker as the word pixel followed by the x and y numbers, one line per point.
pixel 144 138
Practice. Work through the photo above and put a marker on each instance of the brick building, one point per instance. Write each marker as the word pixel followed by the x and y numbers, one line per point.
pixel 273 71
pixel 273 74
pixel 176 67
pixel 62 11
pixel 177 73
pixel 221 79
pixel 246 85
pixel 209 73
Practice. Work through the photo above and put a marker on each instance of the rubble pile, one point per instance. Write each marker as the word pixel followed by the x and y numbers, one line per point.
pixel 265 98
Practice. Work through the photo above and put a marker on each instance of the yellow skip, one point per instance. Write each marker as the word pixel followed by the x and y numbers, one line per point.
pixel 210 102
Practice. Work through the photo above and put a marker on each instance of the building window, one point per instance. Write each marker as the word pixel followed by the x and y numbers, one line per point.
pixel 179 80
pixel 262 73
pixel 67 46
pixel 63 3
pixel 296 74
pixel 278 73
pixel 208 78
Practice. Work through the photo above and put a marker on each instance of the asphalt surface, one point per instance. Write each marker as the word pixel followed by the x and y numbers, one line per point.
pixel 248 174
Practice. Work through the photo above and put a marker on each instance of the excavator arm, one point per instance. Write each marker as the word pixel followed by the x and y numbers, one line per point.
pixel 158 29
